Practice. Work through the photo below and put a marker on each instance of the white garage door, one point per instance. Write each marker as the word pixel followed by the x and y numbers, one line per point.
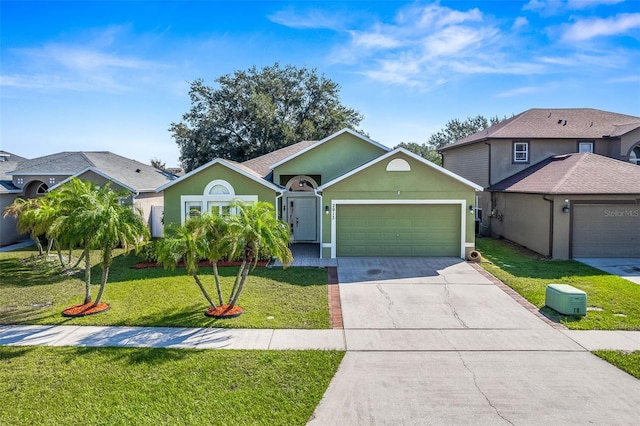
pixel 606 230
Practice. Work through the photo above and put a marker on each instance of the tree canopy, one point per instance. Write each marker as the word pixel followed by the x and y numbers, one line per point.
pixel 453 131
pixel 254 112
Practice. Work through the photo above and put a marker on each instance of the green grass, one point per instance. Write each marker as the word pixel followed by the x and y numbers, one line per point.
pixel 617 300
pixel 131 386
pixel 35 291
pixel 629 362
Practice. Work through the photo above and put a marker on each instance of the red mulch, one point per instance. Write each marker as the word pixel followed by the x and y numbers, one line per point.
pixel 85 309
pixel 224 311
pixel 204 263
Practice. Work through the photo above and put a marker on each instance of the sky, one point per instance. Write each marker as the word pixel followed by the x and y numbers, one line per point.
pixel 113 76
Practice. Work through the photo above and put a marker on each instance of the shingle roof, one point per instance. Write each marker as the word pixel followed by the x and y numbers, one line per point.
pixel 584 173
pixel 134 174
pixel 562 123
pixel 262 165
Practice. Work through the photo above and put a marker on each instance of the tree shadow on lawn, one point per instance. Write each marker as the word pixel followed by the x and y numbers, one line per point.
pixel 31 271
pixel 132 355
pixel 122 270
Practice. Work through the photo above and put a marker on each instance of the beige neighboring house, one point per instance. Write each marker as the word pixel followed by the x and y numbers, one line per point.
pixel 29 178
pixel 562 182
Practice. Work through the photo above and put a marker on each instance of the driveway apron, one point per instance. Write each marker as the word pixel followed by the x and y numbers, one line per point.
pixel 432 341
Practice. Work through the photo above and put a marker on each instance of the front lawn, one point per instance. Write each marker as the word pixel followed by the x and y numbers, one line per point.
pixel 614 303
pixel 35 291
pixel 629 362
pixel 124 386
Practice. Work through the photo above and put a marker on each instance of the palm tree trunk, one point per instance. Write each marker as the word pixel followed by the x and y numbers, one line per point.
pixel 103 284
pixel 49 245
pixel 60 258
pixel 237 281
pixel 204 292
pixel 245 271
pixel 216 276
pixel 87 276
pixel 36 240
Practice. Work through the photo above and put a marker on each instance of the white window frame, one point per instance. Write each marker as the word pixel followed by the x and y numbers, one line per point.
pixel 588 145
pixel 206 201
pixel 517 151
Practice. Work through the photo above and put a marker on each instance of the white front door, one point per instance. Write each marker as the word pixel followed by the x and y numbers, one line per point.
pixel 303 218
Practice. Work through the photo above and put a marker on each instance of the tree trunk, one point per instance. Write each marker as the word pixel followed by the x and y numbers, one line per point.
pixel 49 245
pixel 237 281
pixel 59 250
pixel 103 284
pixel 216 276
pixel 245 271
pixel 204 292
pixel 87 276
pixel 36 240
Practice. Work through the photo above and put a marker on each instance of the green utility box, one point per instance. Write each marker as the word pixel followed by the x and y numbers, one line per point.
pixel 566 299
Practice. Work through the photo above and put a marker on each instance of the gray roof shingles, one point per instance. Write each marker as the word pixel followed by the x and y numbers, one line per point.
pixel 139 176
pixel 556 123
pixel 584 173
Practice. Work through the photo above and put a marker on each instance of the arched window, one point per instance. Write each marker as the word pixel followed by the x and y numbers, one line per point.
pixel 398 165
pixel 219 187
pixel 42 189
pixel 301 184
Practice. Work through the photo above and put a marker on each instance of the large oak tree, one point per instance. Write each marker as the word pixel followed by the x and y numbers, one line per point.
pixel 253 112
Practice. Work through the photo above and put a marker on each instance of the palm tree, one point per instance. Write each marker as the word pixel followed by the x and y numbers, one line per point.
pixel 94 217
pixel 186 243
pixel 24 210
pixel 252 233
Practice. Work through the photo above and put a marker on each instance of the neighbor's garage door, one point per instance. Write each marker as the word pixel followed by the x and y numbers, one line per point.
pixel 398 230
pixel 606 230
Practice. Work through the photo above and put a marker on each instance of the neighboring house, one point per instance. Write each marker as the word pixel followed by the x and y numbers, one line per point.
pixel 30 178
pixel 347 193
pixel 8 193
pixel 541 194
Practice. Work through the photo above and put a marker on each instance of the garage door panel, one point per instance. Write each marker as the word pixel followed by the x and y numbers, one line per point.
pixel 606 230
pixel 398 230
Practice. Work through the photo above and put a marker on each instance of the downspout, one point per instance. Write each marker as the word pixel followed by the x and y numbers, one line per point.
pixel 321 218
pixel 551 205
pixel 490 194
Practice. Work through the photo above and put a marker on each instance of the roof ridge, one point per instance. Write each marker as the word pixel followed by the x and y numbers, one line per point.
pixel 576 164
pixel 82 153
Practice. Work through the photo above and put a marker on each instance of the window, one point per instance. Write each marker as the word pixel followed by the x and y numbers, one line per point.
pixel 52 181
pixel 521 152
pixel 42 189
pixel 634 157
pixel 585 147
pixel 193 208
pixel 20 181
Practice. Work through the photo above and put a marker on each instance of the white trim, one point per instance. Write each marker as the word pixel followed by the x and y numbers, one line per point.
pixel 223 163
pixel 204 201
pixel 309 179
pixel 473 245
pixel 328 138
pixel 410 154
pixel 216 182
pixel 461 203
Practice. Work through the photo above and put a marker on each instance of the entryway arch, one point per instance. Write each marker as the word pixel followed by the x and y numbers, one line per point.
pixel 300 208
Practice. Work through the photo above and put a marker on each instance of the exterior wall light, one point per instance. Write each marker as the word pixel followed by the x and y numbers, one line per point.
pixel 326 209
pixel 565 208
pixel 470 208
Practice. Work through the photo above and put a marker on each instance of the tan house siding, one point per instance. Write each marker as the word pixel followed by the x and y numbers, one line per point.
pixel 471 162
pixel 513 220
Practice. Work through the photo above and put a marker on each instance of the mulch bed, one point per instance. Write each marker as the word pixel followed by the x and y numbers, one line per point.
pixel 85 309
pixel 204 263
pixel 224 312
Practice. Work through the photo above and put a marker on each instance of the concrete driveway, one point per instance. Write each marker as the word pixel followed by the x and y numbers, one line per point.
pixel 432 341
pixel 627 267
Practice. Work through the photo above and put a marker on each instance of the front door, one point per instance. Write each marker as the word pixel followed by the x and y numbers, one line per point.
pixel 303 218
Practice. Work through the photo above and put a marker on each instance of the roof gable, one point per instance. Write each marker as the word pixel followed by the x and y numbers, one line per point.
pixel 410 154
pixel 556 123
pixel 236 167
pixel 584 173
pixel 327 139
pixel 262 164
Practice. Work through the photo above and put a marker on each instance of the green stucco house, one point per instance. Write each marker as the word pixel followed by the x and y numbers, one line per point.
pixel 347 193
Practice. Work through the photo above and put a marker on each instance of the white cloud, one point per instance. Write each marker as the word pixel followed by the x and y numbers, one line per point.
pixel 314 18
pixel 590 28
pixel 526 90
pixel 520 22
pixel 584 4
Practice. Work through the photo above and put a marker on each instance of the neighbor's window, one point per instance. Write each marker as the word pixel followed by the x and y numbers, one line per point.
pixel 20 181
pixel 52 181
pixel 634 157
pixel 521 152
pixel 585 147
